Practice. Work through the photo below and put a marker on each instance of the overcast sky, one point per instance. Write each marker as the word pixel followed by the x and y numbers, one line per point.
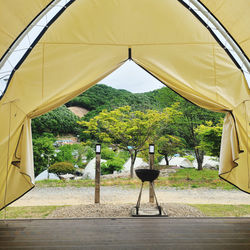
pixel 132 78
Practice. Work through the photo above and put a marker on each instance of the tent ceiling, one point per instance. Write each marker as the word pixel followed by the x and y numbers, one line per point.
pixel 90 40
pixel 16 15
pixel 235 17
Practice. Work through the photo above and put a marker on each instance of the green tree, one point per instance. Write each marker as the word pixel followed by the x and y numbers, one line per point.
pixel 115 164
pixel 210 137
pixel 127 129
pixel 60 168
pixel 58 121
pixel 43 152
pixel 73 153
pixel 184 125
pixel 65 154
pixel 168 146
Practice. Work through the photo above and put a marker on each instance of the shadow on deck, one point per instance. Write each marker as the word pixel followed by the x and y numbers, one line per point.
pixel 126 233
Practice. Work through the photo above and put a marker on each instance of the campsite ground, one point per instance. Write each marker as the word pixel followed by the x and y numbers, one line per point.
pixel 181 193
pixel 117 195
pixel 66 202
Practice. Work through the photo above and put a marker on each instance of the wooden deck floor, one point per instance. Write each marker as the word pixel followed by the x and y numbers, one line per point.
pixel 126 233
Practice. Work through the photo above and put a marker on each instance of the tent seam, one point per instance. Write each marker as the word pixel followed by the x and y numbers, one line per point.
pixel 212 33
pixel 243 52
pixel 34 44
pixel 127 44
pixel 215 75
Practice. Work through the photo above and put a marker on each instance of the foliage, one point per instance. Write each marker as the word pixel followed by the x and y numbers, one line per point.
pixel 127 129
pixel 184 126
pixel 60 168
pixel 189 157
pixel 101 97
pixel 115 164
pixel 89 153
pixel 58 121
pixel 74 154
pixel 65 153
pixel 43 153
pixel 210 137
pixel 123 155
pixel 107 153
pixel 168 146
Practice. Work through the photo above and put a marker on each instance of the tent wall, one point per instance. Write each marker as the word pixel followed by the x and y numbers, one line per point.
pixel 234 16
pixel 15 15
pixel 90 40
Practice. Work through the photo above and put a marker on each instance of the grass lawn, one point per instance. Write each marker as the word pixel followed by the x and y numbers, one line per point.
pixel 182 179
pixel 122 182
pixel 192 178
pixel 218 210
pixel 27 212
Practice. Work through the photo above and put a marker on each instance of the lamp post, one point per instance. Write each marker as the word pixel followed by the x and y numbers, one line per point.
pixel 151 166
pixel 97 172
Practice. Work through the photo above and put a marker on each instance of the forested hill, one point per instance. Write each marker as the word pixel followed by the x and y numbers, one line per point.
pixel 99 97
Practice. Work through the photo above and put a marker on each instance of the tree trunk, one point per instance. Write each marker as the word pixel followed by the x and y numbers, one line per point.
pixel 166 159
pixel 133 157
pixel 199 154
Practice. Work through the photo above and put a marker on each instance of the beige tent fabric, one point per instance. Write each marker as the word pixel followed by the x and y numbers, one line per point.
pixel 90 40
pixel 15 15
pixel 235 17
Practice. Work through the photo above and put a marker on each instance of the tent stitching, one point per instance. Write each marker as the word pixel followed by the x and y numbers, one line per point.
pixel 10 47
pixel 224 29
pixel 212 33
pixel 34 43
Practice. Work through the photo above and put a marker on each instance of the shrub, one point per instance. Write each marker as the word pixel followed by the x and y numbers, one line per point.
pixel 60 168
pixel 107 154
pixel 123 155
pixel 189 157
pixel 89 153
pixel 115 164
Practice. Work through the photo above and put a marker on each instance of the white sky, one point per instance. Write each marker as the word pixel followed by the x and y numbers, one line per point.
pixel 132 78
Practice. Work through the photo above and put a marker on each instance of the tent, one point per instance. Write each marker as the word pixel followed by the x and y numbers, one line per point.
pixel 86 40
pixel 44 176
pixel 178 161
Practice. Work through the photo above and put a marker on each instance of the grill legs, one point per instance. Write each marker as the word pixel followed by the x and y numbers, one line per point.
pixel 139 199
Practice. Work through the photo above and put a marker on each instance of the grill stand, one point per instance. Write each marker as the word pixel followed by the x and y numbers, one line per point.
pixel 137 207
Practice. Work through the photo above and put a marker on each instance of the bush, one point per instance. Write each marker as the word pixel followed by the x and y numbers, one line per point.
pixel 115 164
pixel 60 168
pixel 89 153
pixel 123 155
pixel 189 157
pixel 107 154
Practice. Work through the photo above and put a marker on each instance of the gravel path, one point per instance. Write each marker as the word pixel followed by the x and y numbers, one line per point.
pixel 121 210
pixel 117 195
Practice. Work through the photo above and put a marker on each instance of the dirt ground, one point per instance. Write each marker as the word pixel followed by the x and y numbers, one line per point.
pixel 117 195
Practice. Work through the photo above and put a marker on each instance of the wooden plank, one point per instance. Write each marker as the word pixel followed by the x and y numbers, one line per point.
pixel 136 233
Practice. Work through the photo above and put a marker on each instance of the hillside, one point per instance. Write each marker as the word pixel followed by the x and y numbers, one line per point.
pixel 78 111
pixel 99 97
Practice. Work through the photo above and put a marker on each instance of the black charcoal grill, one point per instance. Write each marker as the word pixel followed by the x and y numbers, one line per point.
pixel 147 175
